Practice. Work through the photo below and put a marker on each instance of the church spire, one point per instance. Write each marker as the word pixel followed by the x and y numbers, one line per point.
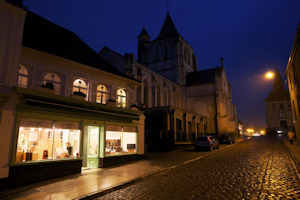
pixel 168 29
pixel 278 82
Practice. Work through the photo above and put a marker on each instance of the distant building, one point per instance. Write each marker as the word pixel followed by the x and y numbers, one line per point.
pixel 293 76
pixel 278 107
pixel 179 102
pixel 62 107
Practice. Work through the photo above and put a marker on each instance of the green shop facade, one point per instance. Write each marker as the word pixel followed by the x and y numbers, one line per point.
pixel 56 136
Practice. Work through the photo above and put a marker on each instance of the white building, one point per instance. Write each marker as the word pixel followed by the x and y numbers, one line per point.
pixel 62 106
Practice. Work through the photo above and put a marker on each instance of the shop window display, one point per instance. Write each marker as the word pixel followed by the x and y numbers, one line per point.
pixel 120 140
pixel 38 140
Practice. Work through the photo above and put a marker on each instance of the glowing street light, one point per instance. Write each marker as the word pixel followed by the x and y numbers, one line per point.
pixel 269 75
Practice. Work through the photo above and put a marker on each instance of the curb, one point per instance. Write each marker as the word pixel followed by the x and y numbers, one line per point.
pixel 293 160
pixel 125 184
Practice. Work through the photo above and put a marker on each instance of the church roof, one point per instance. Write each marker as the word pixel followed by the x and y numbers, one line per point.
pixel 168 29
pixel 203 76
pixel 279 92
pixel 43 35
pixel 143 33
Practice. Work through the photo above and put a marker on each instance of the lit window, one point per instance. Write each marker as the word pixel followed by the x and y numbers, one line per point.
pixel 52 81
pixel 121 98
pixel 102 94
pixel 38 140
pixel 79 87
pixel 120 140
pixel 22 76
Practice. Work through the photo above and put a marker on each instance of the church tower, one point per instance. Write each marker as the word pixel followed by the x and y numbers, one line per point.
pixel 278 107
pixel 169 54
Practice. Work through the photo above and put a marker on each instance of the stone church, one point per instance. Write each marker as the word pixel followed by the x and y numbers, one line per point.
pixel 179 102
pixel 278 107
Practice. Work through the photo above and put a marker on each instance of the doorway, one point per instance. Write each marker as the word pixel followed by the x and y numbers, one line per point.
pixel 91 147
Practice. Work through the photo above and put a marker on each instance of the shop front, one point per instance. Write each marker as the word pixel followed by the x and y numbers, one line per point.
pixel 51 140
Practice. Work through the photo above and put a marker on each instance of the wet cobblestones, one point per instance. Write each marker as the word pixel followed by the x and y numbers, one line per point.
pixel 256 169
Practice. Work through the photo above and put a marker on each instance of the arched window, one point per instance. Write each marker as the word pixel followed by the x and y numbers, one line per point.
pixel 167 98
pixel 102 94
pixel 158 95
pixel 146 93
pixel 52 81
pixel 156 54
pixel 121 98
pixel 22 77
pixel 166 52
pixel 80 87
pixel 176 100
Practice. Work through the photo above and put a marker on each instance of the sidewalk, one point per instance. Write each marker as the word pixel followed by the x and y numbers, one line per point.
pixel 294 151
pixel 92 182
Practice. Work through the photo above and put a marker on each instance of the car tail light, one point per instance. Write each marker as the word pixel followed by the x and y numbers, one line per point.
pixel 208 140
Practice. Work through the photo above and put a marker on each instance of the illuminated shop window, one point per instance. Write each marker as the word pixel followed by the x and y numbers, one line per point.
pixel 121 98
pixel 52 81
pixel 38 140
pixel 102 94
pixel 80 87
pixel 120 140
pixel 22 77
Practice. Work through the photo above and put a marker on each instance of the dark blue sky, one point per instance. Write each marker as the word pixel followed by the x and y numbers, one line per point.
pixel 253 36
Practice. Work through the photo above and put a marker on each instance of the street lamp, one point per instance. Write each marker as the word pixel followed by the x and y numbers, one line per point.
pixel 269 75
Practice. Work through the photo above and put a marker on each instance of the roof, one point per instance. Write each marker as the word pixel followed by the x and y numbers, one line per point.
pixel 143 33
pixel 203 76
pixel 43 35
pixel 168 29
pixel 279 92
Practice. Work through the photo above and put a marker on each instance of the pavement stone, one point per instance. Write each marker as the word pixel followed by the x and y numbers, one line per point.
pixel 92 182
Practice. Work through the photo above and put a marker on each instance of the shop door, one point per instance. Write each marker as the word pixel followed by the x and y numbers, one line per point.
pixel 93 146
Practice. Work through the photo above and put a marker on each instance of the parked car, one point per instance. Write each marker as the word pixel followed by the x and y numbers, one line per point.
pixel 206 142
pixel 226 139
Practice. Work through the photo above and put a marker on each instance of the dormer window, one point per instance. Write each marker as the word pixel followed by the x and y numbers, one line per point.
pixel 121 98
pixel 52 81
pixel 22 76
pixel 102 94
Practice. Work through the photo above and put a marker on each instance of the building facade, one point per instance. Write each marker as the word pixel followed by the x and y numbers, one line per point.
pixel 62 106
pixel 179 102
pixel 293 73
pixel 278 107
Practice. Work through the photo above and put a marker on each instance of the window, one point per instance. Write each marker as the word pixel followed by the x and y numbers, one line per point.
pixel 146 93
pixel 52 81
pixel 167 98
pixel 102 94
pixel 158 95
pixel 79 87
pixel 120 140
pixel 39 140
pixel 22 77
pixel 121 98
pixel 156 54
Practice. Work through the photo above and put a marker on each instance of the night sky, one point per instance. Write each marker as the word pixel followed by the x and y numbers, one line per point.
pixel 253 36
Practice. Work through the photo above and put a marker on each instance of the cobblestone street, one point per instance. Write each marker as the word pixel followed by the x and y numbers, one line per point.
pixel 255 169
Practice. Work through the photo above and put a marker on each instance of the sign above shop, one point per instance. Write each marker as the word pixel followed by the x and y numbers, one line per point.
pixel 40 123
pixel 113 128
pixel 67 125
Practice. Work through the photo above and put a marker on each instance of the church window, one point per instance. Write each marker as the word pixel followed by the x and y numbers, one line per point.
pixel 102 94
pixel 146 93
pixel 167 98
pixel 52 81
pixel 158 95
pixel 156 54
pixel 121 98
pixel 166 52
pixel 80 87
pixel 22 76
